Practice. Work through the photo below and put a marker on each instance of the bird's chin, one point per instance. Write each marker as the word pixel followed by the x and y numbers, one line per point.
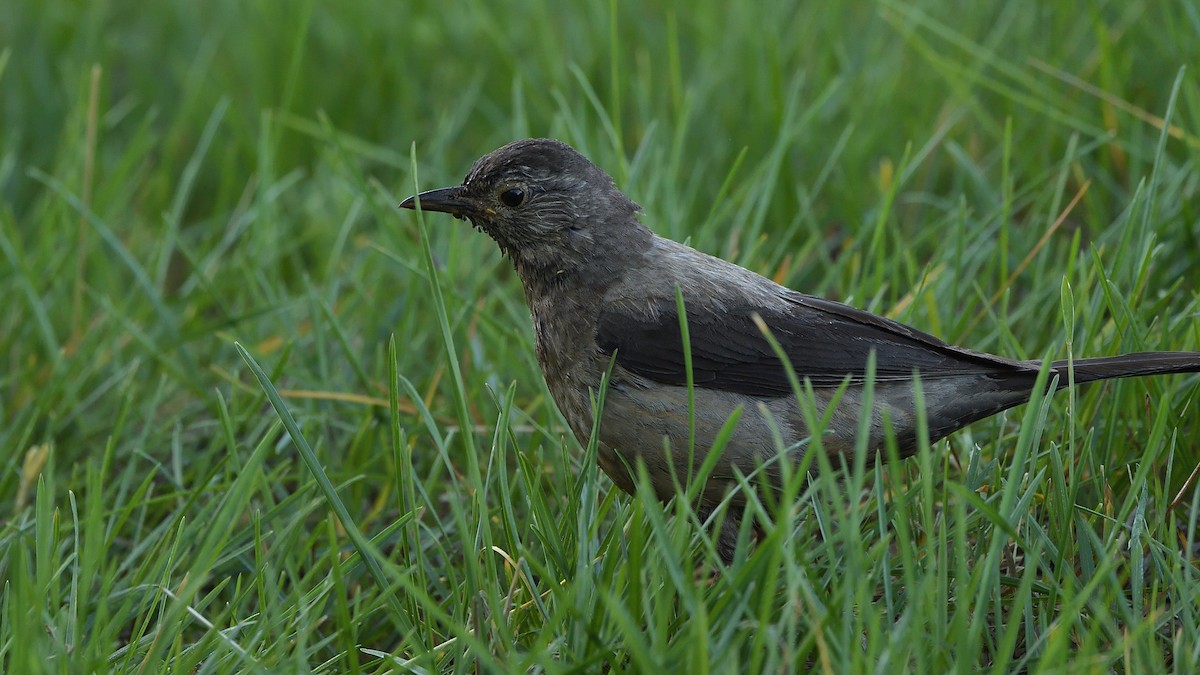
pixel 475 225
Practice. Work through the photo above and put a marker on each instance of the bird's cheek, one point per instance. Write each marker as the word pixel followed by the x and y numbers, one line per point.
pixel 578 237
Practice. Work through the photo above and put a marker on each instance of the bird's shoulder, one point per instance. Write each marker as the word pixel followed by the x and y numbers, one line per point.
pixel 709 285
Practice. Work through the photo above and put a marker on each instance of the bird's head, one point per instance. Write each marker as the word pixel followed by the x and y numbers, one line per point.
pixel 548 208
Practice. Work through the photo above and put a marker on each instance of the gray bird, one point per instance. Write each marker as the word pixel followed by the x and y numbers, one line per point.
pixel 599 284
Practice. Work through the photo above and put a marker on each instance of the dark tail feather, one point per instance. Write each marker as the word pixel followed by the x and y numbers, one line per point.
pixel 1129 365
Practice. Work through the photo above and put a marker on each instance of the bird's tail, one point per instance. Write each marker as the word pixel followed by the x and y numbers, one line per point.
pixel 1129 365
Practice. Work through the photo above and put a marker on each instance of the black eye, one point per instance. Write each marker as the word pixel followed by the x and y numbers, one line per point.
pixel 513 197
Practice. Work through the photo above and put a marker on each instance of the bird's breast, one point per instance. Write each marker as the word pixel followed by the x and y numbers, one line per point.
pixel 565 343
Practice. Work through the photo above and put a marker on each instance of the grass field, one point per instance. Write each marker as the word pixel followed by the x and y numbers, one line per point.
pixel 178 178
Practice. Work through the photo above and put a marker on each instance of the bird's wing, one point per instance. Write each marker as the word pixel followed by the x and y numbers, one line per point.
pixel 825 341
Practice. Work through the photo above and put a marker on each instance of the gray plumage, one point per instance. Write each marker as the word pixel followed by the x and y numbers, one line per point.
pixel 600 283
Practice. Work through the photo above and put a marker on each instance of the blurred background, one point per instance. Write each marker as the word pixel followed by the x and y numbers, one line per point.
pixel 176 176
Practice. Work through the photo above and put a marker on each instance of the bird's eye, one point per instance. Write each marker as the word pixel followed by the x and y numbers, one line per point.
pixel 513 197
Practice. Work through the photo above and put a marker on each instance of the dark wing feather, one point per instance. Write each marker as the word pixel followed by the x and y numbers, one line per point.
pixel 825 341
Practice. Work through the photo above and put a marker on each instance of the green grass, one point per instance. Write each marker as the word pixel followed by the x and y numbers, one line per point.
pixel 391 489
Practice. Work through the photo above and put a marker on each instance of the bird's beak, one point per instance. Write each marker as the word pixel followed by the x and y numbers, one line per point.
pixel 452 200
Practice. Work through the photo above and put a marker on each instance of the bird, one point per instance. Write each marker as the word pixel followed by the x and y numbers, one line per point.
pixel 603 293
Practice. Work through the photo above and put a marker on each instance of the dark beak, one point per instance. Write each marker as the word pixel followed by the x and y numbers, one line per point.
pixel 452 200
